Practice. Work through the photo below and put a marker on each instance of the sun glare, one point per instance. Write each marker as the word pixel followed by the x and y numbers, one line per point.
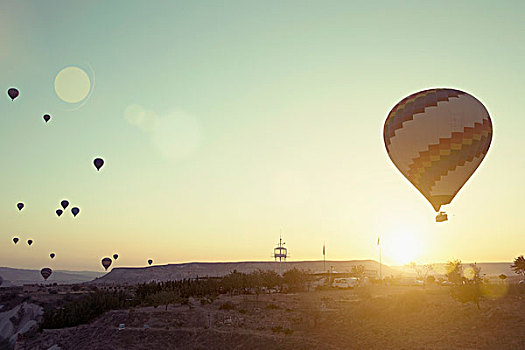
pixel 401 247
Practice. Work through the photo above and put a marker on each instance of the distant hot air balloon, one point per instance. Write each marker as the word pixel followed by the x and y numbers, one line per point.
pixel 20 205
pixel 59 212
pixel 52 255
pixel 13 93
pixel 29 241
pixel 115 256
pixel 46 117
pixel 150 261
pixel 106 262
pixel 437 138
pixel 15 239
pixel 46 272
pixel 64 204
pixel 75 211
pixel 98 162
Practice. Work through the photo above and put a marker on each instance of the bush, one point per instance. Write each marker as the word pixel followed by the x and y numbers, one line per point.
pixel 83 310
pixel 227 306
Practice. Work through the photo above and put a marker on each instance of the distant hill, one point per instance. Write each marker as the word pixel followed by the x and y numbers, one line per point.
pixel 18 277
pixel 216 269
pixel 487 269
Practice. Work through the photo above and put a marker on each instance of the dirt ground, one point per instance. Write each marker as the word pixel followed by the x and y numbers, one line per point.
pixel 369 318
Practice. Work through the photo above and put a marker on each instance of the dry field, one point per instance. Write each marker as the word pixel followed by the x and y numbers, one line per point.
pixel 373 318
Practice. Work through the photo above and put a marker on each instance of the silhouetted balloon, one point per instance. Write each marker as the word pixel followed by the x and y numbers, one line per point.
pixel 29 241
pixel 115 256
pixel 106 262
pixel 437 138
pixel 75 211
pixel 52 255
pixel 15 240
pixel 46 272
pixel 150 261
pixel 47 117
pixel 13 93
pixel 20 206
pixel 59 212
pixel 64 204
pixel 98 162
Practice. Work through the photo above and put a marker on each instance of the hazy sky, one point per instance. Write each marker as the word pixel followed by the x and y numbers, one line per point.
pixel 222 123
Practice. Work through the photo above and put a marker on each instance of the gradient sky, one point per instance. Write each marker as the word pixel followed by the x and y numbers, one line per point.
pixel 223 123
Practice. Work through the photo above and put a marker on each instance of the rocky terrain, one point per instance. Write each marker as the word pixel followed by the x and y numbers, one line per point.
pixel 369 318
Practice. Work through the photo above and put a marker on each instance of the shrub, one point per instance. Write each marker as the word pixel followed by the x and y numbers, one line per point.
pixel 83 310
pixel 227 306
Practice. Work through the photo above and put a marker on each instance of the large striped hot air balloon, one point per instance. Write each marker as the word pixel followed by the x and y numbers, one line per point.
pixel 46 272
pixel 437 138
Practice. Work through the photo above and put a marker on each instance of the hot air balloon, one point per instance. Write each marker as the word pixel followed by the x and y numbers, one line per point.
pixel 75 211
pixel 64 204
pixel 115 256
pixel 46 272
pixel 15 239
pixel 46 117
pixel 59 212
pixel 98 162
pixel 29 241
pixel 52 255
pixel 437 138
pixel 13 93
pixel 106 262
pixel 20 205
pixel 150 261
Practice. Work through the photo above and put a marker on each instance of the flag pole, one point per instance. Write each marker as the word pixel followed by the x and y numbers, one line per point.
pixel 380 267
pixel 324 257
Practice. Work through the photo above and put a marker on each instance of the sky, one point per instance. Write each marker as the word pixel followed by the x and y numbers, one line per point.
pixel 223 124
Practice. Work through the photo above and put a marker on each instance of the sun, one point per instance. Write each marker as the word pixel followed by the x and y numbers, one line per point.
pixel 401 247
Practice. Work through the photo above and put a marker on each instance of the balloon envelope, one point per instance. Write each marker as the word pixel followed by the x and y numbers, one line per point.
pixel 98 162
pixel 52 255
pixel 115 256
pixel 75 211
pixel 106 262
pixel 15 239
pixel 59 212
pixel 437 138
pixel 29 241
pixel 64 204
pixel 20 205
pixel 150 261
pixel 13 93
pixel 46 272
pixel 46 117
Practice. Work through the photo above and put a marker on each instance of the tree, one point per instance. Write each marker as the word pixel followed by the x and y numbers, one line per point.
pixel 358 271
pixel 519 265
pixel 455 271
pixel 469 289
pixel 295 279
pixel 165 298
pixel 421 271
